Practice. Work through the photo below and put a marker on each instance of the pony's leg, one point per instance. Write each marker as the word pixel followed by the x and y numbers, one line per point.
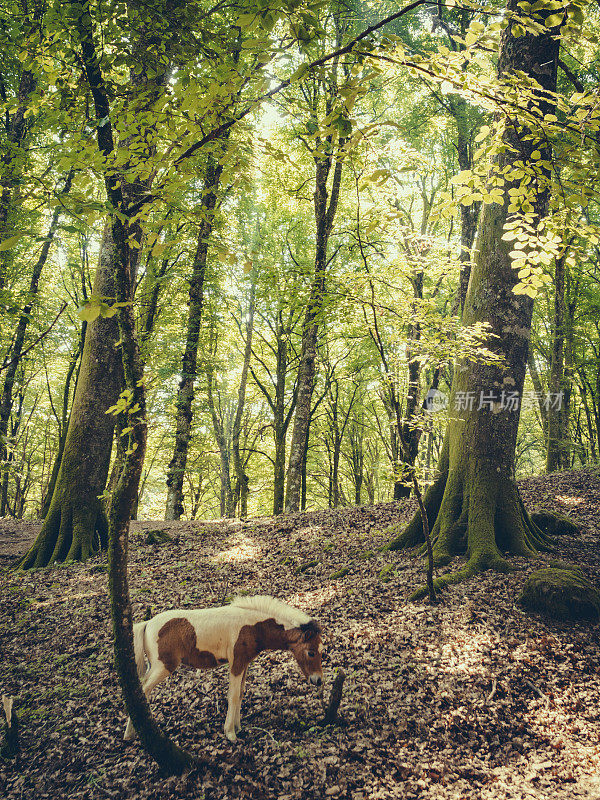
pixel 156 675
pixel 233 708
pixel 236 722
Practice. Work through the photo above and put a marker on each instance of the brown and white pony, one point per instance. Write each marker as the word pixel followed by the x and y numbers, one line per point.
pixel 234 634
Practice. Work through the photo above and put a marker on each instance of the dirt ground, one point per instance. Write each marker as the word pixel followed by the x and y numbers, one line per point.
pixel 472 698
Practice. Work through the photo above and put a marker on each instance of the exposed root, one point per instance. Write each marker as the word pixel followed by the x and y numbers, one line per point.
pixel 68 534
pixel 412 535
pixel 485 520
pixel 473 567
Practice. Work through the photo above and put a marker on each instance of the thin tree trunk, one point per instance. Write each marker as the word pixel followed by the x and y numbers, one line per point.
pixel 189 370
pixel 6 400
pixel 227 494
pixel 324 216
pixel 555 444
pixel 241 475
pixel 539 390
pixel 277 404
pixel 64 421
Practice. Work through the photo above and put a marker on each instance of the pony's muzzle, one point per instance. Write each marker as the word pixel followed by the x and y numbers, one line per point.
pixel 316 680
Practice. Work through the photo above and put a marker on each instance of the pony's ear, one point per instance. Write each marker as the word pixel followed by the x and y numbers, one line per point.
pixel 310 629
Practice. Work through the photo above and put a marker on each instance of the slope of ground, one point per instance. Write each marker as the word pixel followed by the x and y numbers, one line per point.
pixel 469 699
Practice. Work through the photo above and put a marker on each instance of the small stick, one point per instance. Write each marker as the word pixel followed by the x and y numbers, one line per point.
pixel 539 692
pixel 262 730
pixel 334 698
pixel 427 537
pixel 225 591
pixel 493 692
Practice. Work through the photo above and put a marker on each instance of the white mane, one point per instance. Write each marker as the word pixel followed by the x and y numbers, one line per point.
pixel 273 607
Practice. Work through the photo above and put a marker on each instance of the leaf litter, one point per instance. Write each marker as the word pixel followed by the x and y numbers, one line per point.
pixel 472 698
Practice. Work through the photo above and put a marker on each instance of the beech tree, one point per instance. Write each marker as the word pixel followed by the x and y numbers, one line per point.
pixel 474 504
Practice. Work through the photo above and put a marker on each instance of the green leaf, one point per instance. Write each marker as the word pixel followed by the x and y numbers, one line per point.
pixel 9 243
pixel 88 312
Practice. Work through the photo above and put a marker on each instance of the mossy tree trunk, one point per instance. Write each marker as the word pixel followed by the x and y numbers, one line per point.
pixel 189 369
pixel 474 506
pixel 75 514
pixel 75 524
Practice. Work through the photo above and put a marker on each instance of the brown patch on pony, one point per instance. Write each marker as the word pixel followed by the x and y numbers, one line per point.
pixel 303 640
pixel 310 629
pixel 177 645
pixel 253 639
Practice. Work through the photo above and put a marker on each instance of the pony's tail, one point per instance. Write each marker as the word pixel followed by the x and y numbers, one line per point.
pixel 139 631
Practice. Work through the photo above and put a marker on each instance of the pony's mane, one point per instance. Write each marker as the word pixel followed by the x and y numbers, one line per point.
pixel 273 607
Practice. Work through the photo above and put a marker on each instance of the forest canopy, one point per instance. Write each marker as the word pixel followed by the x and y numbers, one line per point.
pixel 294 191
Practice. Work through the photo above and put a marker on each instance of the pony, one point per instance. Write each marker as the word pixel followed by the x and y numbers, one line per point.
pixel 233 634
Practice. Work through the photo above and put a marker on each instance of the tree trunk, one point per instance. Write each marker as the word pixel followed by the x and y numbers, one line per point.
pixel 469 215
pixel 13 157
pixel 241 475
pixel 6 401
pixel 227 494
pixel 357 457
pixel 555 444
pixel 281 419
pixel 474 504
pixel 75 514
pixel 539 390
pixel 324 216
pixel 63 423
pixel 168 756
pixel 277 402
pixel 189 370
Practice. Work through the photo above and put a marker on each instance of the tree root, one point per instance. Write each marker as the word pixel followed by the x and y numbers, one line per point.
pixel 68 534
pixel 483 519
pixel 473 567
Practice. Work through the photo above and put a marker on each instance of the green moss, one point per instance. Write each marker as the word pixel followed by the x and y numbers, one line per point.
pixel 158 537
pixel 340 573
pixel 386 573
pixel 554 524
pixel 561 593
pixel 305 566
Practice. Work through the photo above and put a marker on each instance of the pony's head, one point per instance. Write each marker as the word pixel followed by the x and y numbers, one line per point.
pixel 305 643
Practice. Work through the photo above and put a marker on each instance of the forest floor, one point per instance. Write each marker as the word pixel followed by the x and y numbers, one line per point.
pixel 472 698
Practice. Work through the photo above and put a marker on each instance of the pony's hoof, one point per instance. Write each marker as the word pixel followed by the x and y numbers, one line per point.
pixel 231 736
